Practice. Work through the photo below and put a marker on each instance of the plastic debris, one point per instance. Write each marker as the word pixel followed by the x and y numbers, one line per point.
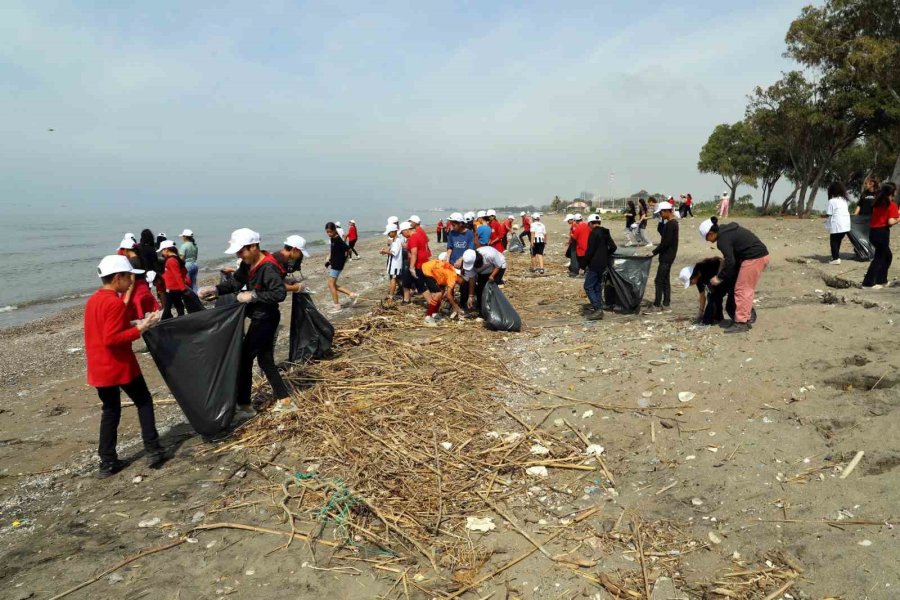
pixel 587 414
pixel 539 450
pixel 149 522
pixel 594 450
pixel 686 396
pixel 446 445
pixel 537 471
pixel 715 539
pixel 481 524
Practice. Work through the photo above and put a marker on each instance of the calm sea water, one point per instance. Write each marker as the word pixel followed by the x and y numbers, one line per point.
pixel 49 256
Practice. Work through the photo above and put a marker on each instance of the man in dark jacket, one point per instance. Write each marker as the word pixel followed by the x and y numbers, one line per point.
pixel 597 257
pixel 263 277
pixel 666 251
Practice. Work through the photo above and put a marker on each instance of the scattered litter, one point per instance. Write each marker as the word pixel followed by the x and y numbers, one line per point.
pixel 446 445
pixel 865 542
pixel 197 517
pixel 149 522
pixel 191 540
pixel 482 524
pixel 690 457
pixel 114 578
pixel 512 438
pixel 594 450
pixel 696 501
pixel 558 422
pixel 539 450
pixel 418 578
pixel 715 539
pixel 849 468
pixel 686 396
pixel 537 471
pixel 73 350
pixel 137 479
pixel 249 572
pixel 647 394
pixel 587 414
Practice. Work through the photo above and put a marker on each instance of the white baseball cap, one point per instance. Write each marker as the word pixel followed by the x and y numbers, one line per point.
pixel 670 198
pixel 337 223
pixel 481 214
pixel 469 217
pixel 456 217
pixel 593 218
pixel 415 219
pixel 131 236
pixel 187 233
pixel 390 227
pixel 536 215
pixel 352 221
pixel 663 206
pixel 127 243
pixel 522 214
pixel 112 264
pixel 166 244
pixel 404 226
pixel 569 217
pixel 295 241
pixel 491 213
pixel 442 256
pixel 393 220
pixel 240 238
pixel 705 226
pixel 510 217
pixel 684 276
pixel 468 259
pixel 578 217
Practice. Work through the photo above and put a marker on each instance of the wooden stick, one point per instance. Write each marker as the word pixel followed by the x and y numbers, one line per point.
pixel 636 532
pixel 118 566
pixel 777 593
pixel 300 536
pixel 849 468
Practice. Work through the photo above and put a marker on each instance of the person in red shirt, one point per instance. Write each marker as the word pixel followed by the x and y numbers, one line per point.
pixel 885 215
pixel 497 233
pixel 179 295
pixel 352 236
pixel 112 365
pixel 138 299
pixel 439 230
pixel 526 229
pixel 419 253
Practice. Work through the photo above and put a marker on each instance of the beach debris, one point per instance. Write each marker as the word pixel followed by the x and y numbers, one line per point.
pixel 594 450
pixel 664 589
pixel 849 468
pixel 686 396
pixel 696 501
pixel 539 450
pixel 559 422
pixel 197 517
pixel 114 578
pixel 446 445
pixel 838 283
pixel 587 414
pixel 73 350
pixel 512 438
pixel 149 522
pixel 137 479
pixel 714 538
pixel 480 524
pixel 647 394
pixel 865 543
pixel 537 471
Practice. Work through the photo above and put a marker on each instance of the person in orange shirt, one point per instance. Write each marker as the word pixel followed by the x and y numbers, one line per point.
pixel 441 279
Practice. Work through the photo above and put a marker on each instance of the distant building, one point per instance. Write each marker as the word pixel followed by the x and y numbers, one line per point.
pixel 578 205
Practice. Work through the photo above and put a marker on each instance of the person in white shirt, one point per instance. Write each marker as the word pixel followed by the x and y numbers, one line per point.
pixel 837 220
pixel 538 243
pixel 478 267
pixel 394 253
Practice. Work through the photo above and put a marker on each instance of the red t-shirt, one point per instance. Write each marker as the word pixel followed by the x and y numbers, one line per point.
pixel 107 341
pixel 142 301
pixel 419 239
pixel 881 214
pixel 526 224
pixel 498 231
pixel 581 232
pixel 175 275
pixel 351 233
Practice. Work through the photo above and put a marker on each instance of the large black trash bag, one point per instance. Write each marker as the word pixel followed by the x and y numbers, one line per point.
pixel 311 332
pixel 497 312
pixel 859 237
pixel 198 356
pixel 624 282
pixel 225 299
pixel 515 244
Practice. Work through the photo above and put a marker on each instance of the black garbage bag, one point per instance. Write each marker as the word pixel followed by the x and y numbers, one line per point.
pixel 624 282
pixel 497 312
pixel 859 237
pixel 198 357
pixel 311 332
pixel 225 299
pixel 515 244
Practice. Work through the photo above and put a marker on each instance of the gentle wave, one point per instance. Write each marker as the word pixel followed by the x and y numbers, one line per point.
pixel 9 308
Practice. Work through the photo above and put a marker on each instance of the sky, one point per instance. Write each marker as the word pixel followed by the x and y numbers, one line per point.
pixel 371 103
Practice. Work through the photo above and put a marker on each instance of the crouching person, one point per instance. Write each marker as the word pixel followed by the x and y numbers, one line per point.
pixel 112 366
pixel 440 279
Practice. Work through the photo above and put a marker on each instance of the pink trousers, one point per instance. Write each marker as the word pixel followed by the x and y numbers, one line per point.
pixel 745 287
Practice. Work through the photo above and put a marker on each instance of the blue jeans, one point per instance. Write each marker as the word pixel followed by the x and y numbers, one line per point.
pixel 192 269
pixel 594 288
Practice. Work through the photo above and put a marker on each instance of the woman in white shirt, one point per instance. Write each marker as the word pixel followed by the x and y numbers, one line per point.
pixel 394 252
pixel 538 243
pixel 838 218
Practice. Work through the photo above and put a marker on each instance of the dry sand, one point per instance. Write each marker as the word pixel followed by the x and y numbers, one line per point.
pixel 739 484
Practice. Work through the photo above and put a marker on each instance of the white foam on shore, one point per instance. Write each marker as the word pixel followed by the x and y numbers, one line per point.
pixel 9 308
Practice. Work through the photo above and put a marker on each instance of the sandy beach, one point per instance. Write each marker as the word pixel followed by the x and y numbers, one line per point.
pixel 735 486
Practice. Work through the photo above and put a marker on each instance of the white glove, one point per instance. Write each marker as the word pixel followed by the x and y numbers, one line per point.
pixel 207 291
pixel 245 297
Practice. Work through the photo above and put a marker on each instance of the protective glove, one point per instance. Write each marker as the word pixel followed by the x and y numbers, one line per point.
pixel 246 297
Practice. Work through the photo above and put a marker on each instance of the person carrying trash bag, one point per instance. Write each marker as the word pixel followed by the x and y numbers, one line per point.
pixel 263 276
pixel 112 366
pixel 479 267
pixel 745 257
pixel 600 249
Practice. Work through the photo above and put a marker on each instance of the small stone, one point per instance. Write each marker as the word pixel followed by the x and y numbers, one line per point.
pixel 587 414
pixel 865 542
pixel 537 471
pixel 539 450
pixel 696 501
pixel 715 539
pixel 149 522
pixel 686 396
pixel 197 517
pixel 137 479
pixel 113 578
pixel 446 445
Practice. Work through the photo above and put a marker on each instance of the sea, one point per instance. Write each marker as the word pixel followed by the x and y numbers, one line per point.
pixel 49 255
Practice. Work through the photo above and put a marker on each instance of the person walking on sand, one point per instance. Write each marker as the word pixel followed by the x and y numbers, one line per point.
pixel 667 250
pixel 263 277
pixel 837 220
pixel 179 294
pixel 526 229
pixel 188 254
pixel 290 257
pixel 630 224
pixel 352 237
pixel 745 257
pixel 439 231
pixel 538 243
pixel 642 218
pixel 867 200
pixel 336 261
pixel 394 253
pixel 112 366
pixel 599 253
pixel 724 203
pixel 581 231
pixel 440 278
pixel 689 206
pixel 884 216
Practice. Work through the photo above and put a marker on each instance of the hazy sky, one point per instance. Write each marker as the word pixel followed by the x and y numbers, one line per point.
pixel 467 103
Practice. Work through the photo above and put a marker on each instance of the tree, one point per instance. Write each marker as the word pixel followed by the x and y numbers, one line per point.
pixel 556 204
pixel 867 157
pixel 771 159
pixel 730 153
pixel 855 46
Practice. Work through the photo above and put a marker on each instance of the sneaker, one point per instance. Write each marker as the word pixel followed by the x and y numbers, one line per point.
pixel 156 457
pixel 336 308
pixel 354 296
pixel 541 271
pixel 108 469
pixel 594 315
pixel 242 413
pixel 738 328
pixel 430 322
pixel 836 261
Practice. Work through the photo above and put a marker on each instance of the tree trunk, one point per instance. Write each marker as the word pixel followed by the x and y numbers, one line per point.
pixel 895 177
pixel 816 184
pixel 800 200
pixel 789 200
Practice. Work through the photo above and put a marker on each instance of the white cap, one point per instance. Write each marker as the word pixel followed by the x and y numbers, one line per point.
pixel 187 233
pixel 166 244
pixel 352 221
pixel 522 214
pixel 491 213
pixel 664 206
pixel 593 218
pixel 415 219
pixel 705 226
pixel 442 256
pixel 404 226
pixel 684 276
pixel 469 217
pixel 569 217
pixel 468 259
pixel 240 238
pixel 390 227
pixel 578 217
pixel 670 198
pixel 112 264
pixel 457 217
pixel 535 215
pixel 724 194
pixel 481 214
pixel 295 241
pixel 337 223
pixel 510 217
pixel 127 243
pixel 131 237
pixel 393 220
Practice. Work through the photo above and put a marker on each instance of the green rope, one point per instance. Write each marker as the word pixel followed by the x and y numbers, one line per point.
pixel 338 503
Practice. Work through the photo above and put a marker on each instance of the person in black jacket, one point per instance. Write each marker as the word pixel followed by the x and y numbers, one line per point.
pixel 335 264
pixel 599 253
pixel 666 251
pixel 263 277
pixel 745 257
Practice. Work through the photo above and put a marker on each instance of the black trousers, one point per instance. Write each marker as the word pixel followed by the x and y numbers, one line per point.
pixel 112 412
pixel 259 344
pixel 663 285
pixel 880 238
pixel 351 245
pixel 181 301
pixel 835 241
pixel 523 235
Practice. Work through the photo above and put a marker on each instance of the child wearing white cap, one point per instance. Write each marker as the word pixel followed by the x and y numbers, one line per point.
pixel 112 366
pixel 667 250
pixel 394 253
pixel 290 257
